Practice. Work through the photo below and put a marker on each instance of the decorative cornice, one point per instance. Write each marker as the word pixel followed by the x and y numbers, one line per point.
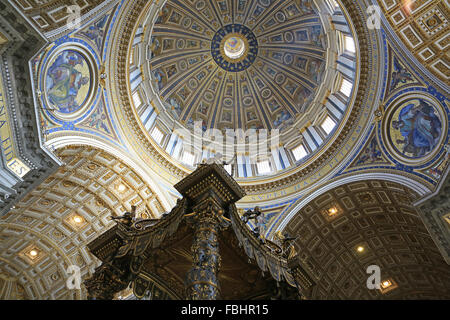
pixel 207 177
pixel 15 74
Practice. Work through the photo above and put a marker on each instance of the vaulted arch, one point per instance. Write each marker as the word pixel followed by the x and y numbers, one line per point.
pixel 350 227
pixel 61 216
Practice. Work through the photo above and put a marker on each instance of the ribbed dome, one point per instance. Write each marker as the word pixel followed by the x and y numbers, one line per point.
pixel 239 64
pixel 284 66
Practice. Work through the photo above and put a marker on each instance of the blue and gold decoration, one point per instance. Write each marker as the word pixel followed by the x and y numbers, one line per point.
pixel 234 48
pixel 414 128
pixel 69 73
pixel 68 81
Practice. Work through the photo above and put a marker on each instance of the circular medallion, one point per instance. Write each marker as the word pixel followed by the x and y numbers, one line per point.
pixel 68 82
pixel 234 47
pixel 414 128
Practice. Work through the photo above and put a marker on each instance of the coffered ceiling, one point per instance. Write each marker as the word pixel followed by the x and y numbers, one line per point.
pixel 422 26
pixel 378 217
pixel 49 229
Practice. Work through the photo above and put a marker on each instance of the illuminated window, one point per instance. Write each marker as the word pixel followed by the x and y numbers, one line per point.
pixel 188 158
pixel 132 56
pixel 328 125
pixel 157 135
pixel 349 44
pixel 263 167
pixel 137 99
pixel 346 87
pixel 299 152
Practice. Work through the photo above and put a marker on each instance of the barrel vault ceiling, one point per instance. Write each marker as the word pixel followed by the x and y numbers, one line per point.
pixel 60 217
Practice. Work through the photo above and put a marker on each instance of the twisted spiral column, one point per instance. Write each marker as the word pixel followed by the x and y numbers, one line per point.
pixel 202 279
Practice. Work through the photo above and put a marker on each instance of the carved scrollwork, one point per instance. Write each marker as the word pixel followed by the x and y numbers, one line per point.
pixel 107 280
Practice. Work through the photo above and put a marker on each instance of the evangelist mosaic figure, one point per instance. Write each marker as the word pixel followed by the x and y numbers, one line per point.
pixel 67 82
pixel 420 128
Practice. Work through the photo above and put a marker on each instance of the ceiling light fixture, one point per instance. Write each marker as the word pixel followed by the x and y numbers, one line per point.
pixel 332 211
pixel 121 188
pixel 386 284
pixel 77 219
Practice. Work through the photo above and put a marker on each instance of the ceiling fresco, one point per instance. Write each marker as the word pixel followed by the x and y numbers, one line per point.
pixel 68 82
pixel 415 129
pixel 193 69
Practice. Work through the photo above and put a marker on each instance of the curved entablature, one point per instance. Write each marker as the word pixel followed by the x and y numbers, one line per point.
pixel 407 181
pixel 282 67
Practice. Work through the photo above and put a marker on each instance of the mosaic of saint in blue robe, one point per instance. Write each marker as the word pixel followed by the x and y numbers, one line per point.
pixel 420 128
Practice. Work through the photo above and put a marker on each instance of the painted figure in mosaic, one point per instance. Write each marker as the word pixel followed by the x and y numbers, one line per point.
pixel 251 116
pixel 171 71
pixel 306 6
pixel 174 107
pixel 64 81
pixel 400 75
pixel 317 36
pixel 160 78
pixel 96 31
pixel 302 99
pixel 155 47
pixel 420 128
pixel 281 118
pixel 371 154
pixel 98 119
